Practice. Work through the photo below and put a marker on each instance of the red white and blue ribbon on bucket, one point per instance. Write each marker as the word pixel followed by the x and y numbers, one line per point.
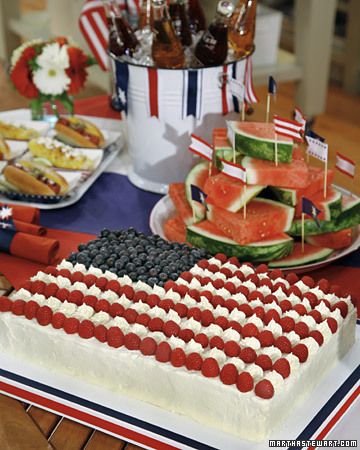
pixel 7 228
pixel 250 94
pixel 122 83
pixel 153 97
pixel 192 93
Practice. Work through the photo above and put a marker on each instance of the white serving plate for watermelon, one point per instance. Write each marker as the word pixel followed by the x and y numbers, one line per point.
pixel 164 209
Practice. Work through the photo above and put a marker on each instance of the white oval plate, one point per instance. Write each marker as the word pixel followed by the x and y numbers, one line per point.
pixel 165 209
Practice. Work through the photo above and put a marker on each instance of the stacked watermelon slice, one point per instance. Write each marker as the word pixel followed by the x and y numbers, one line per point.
pixel 271 228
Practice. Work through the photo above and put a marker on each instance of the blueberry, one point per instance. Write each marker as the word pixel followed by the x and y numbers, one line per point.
pixel 124 259
pixel 99 259
pixel 148 265
pixel 163 276
pixel 104 267
pixel 119 264
pixel 137 262
pixel 143 278
pixel 81 258
pixel 153 280
pixel 133 276
pixel 130 267
pixel 174 276
pixel 121 272
pixel 110 261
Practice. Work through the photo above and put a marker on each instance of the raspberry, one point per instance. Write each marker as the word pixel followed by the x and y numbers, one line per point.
pixel 71 325
pixel 102 305
pixel 343 307
pixel 315 334
pixel 294 290
pixel 232 348
pixel 207 294
pixel 240 276
pixel 65 273
pixel 166 304
pixel 253 278
pixel 302 330
pixel 230 304
pixel 283 344
pixel 140 296
pixel 50 290
pixel 315 315
pixel 213 268
pixel 195 294
pixel 260 312
pixel 181 309
pixel 282 367
pixel 230 287
pixel 62 294
pixel 143 319
pixel 57 320
pixel 207 318
pixel 332 324
pixel 216 342
pixel 279 285
pixel 300 309
pixel 229 374
pixel 89 280
pixel 203 263
pixel 132 341
pixel 246 309
pixel 324 285
pixel 156 324
pixel 170 284
pixel 245 382
pixel 171 328
pixel 90 300
pixel 308 281
pixel 269 299
pixel 256 295
pixel 210 368
pixel 262 268
pixel 222 322
pixel 277 273
pixel 76 297
pixel 163 352
pixel 301 351
pixel 113 285
pixel 116 310
pixel 204 280
pixel 235 326
pixel 264 389
pixel 30 309
pixel 182 290
pixel 186 335
pixel 115 337
pixel 326 302
pixel 187 276
pixel 38 287
pixel 100 333
pixel 313 300
pixel 287 324
pixel 44 315
pixel 148 346
pixel 248 355
pixel 292 278
pixel 218 284
pixel 78 276
pixel 225 271
pixel 249 330
pixel 195 313
pixel 266 338
pixel 264 361
pixel 270 315
pixel 101 283
pixel 51 270
pixel 130 315
pixel 193 361
pixel 221 257
pixel 202 339
pixel 233 260
pixel 17 308
pixel 86 329
pixel 266 282
pixel 217 300
pixel 178 357
pixel 128 291
pixel 26 285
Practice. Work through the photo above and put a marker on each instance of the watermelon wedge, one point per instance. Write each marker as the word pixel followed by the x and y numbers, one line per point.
pixel 175 229
pixel 330 206
pixel 315 184
pixel 259 172
pixel 197 176
pixel 222 145
pixel 229 193
pixel 298 257
pixel 257 139
pixel 337 240
pixel 264 219
pixel 206 235
pixel 178 197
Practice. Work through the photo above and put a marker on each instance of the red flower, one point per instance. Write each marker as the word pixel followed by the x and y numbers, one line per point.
pixel 21 74
pixel 61 40
pixel 77 70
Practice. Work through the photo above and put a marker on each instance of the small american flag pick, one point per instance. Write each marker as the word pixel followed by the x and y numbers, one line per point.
pixel 308 207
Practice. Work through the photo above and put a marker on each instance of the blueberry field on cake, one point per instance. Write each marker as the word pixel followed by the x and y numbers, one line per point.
pixel 224 343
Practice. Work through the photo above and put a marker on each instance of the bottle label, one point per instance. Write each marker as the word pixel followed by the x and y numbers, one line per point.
pixel 237 89
pixel 209 41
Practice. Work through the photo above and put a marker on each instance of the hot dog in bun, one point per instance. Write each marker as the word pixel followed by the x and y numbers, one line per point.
pixel 79 132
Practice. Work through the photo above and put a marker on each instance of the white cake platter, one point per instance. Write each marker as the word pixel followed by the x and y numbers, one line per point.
pixel 164 209
pixel 332 412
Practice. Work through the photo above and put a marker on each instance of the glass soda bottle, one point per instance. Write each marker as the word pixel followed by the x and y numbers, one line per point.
pixel 242 28
pixel 167 51
pixel 180 21
pixel 116 45
pixel 212 48
pixel 196 15
pixel 125 34
pixel 146 18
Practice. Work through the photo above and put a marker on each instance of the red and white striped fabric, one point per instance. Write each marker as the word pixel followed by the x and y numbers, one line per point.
pixel 250 95
pixel 94 27
pixel 201 148
pixel 288 128
pixel 299 117
pixel 345 165
pixel 233 170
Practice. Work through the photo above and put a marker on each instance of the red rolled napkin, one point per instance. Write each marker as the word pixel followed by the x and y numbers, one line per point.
pixel 35 248
pixel 29 228
pixel 24 213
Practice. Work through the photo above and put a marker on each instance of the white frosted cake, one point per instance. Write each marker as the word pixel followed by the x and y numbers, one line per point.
pixel 225 344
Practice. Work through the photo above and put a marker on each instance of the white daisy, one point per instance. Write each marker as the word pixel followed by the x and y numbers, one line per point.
pixel 51 80
pixel 53 56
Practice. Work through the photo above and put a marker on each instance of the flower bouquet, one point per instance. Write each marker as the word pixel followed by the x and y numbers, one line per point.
pixel 49 72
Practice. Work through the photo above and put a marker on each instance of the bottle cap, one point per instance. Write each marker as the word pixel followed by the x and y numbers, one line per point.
pixel 225 8
pixel 158 2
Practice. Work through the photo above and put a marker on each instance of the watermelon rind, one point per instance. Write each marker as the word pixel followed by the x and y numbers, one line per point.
pixel 259 147
pixel 315 256
pixel 262 251
pixel 332 206
pixel 350 211
pixel 285 195
pixel 199 211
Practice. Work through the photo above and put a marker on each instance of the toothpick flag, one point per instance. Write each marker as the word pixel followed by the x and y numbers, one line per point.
pixel 299 117
pixel 310 209
pixel 250 94
pixel 345 165
pixel 197 195
pixel 234 170
pixel 312 134
pixel 201 148
pixel 272 88
pixel 288 128
pixel 317 148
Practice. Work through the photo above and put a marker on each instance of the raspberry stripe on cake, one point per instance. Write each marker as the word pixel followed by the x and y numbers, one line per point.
pixel 225 343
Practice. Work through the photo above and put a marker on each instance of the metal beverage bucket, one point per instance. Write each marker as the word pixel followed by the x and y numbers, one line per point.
pixel 158 146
